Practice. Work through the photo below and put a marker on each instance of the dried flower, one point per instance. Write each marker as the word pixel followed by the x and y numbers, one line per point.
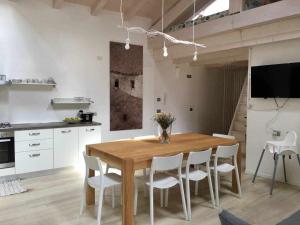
pixel 164 119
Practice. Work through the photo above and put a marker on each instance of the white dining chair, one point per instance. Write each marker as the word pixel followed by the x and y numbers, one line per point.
pixel 226 152
pixel 197 158
pixel 100 183
pixel 160 180
pixel 286 147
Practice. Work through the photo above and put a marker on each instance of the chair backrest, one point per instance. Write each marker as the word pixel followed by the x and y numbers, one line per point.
pixel 227 151
pixel 196 158
pixel 166 163
pixel 93 163
pixel 223 136
pixel 291 138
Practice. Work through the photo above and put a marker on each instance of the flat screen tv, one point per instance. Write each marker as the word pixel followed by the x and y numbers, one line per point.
pixel 276 81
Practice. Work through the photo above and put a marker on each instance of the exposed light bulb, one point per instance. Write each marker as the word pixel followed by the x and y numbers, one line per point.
pixel 165 50
pixel 127 45
pixel 195 58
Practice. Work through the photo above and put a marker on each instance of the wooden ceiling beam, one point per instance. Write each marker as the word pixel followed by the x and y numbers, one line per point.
pixel 133 10
pixel 57 4
pixel 98 6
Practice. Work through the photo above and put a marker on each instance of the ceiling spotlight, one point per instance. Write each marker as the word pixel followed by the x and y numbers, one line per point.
pixel 165 50
pixel 127 44
pixel 195 58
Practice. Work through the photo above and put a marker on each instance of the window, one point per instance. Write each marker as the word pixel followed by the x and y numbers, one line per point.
pixel 116 83
pixel 215 7
pixel 132 84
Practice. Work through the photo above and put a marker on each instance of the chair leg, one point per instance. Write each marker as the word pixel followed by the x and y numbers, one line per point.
pixel 107 168
pixel 284 170
pixel 238 180
pixel 196 188
pixel 167 197
pixel 183 198
pixel 274 172
pixel 298 157
pixel 145 185
pixel 188 198
pixel 196 183
pixel 258 165
pixel 211 189
pixel 83 200
pixel 113 197
pixel 162 198
pixel 136 192
pixel 217 188
pixel 100 206
pixel 151 207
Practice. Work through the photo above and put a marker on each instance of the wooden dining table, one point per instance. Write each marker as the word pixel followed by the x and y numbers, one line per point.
pixel 132 155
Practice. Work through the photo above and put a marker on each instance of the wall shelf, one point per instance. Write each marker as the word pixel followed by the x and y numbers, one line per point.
pixel 71 101
pixel 32 82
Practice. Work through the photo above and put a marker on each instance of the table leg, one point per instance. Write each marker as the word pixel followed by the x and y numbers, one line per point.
pixel 239 162
pixel 128 189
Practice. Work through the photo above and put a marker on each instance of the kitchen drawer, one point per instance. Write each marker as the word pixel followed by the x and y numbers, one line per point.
pixel 27 135
pixel 33 161
pixel 23 146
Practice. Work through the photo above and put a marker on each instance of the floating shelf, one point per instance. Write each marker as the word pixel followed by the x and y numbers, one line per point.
pixel 71 101
pixel 16 82
pixel 33 84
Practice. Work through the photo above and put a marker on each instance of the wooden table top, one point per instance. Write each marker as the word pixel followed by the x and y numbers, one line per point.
pixel 146 149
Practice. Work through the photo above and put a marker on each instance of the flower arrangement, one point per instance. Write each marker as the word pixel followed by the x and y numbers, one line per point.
pixel 165 120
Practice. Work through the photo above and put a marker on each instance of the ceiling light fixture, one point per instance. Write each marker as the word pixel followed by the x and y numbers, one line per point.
pixel 155 33
pixel 195 58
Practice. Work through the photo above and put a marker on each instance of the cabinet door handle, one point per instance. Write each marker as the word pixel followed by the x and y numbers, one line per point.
pixel 34 145
pixel 34 134
pixel 90 130
pixel 65 131
pixel 34 155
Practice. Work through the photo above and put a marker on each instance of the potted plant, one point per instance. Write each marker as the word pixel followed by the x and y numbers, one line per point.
pixel 165 121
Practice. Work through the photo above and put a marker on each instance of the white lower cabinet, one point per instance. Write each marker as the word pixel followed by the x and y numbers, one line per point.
pixel 65 147
pixel 87 135
pixel 37 150
pixel 32 161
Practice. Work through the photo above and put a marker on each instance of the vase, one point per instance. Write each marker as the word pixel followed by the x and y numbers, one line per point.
pixel 164 138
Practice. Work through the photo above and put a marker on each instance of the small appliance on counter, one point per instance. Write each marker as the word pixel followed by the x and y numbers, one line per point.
pixel 86 117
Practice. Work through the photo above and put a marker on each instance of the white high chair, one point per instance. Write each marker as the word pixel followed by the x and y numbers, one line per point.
pixel 288 146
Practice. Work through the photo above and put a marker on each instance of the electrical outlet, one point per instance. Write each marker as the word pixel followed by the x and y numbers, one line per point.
pixel 158 111
pixel 158 99
pixel 189 76
pixel 276 133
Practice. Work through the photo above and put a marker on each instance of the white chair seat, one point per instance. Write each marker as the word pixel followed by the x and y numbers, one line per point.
pixel 109 180
pixel 163 181
pixel 279 147
pixel 196 175
pixel 224 168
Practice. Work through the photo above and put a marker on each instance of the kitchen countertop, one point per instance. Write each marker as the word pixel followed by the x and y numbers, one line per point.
pixel 34 126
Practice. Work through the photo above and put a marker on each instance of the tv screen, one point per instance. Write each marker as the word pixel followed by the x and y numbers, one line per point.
pixel 276 81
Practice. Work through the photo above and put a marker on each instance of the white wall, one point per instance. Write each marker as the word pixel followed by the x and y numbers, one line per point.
pixel 203 92
pixel 70 45
pixel 262 112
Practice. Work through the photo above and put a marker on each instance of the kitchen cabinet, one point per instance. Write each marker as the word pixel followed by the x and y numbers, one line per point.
pixel 33 150
pixel 33 161
pixel 65 147
pixel 45 149
pixel 87 135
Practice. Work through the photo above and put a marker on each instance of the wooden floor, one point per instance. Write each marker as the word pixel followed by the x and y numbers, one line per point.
pixel 55 199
